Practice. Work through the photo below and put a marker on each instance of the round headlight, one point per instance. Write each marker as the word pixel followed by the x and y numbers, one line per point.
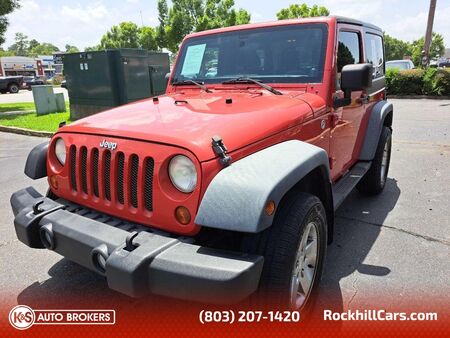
pixel 182 173
pixel 60 151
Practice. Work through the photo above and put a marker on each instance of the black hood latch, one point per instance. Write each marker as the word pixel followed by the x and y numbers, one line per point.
pixel 221 150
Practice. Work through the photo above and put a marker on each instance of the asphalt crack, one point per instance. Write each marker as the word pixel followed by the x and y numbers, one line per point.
pixel 355 293
pixel 415 234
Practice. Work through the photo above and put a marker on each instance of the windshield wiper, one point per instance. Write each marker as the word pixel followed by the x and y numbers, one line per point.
pixel 188 82
pixel 250 80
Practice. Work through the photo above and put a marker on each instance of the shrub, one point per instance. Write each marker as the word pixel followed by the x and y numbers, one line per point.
pixel 418 82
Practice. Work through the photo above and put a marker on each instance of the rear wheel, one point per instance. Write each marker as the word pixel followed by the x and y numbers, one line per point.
pixel 294 249
pixel 13 88
pixel 374 180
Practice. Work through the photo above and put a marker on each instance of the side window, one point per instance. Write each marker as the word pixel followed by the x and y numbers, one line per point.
pixel 374 53
pixel 348 49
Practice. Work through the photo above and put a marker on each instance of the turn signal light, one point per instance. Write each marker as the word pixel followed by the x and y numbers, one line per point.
pixel 54 182
pixel 270 208
pixel 183 215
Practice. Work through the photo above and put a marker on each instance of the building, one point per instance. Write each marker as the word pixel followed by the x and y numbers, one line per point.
pixel 21 65
pixel 48 63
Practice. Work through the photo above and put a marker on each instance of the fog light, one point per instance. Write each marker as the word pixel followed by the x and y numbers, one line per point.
pixel 54 182
pixel 47 237
pixel 183 215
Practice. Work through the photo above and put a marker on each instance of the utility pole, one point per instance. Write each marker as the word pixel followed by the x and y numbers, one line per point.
pixel 428 35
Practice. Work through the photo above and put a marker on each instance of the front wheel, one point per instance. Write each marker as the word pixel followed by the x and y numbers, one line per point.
pixel 13 88
pixel 294 249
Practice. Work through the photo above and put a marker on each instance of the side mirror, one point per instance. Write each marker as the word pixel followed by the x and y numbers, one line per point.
pixel 353 78
pixel 356 77
pixel 167 76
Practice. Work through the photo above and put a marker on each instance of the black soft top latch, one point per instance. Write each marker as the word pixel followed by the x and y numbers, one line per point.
pixel 221 150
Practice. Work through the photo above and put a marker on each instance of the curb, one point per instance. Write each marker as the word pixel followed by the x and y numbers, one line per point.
pixel 27 132
pixel 418 97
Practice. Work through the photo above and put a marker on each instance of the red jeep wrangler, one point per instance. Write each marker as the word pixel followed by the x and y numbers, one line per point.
pixel 229 182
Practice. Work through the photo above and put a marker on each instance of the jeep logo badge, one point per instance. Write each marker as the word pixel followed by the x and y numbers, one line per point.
pixel 108 145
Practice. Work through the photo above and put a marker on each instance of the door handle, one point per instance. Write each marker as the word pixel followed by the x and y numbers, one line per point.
pixel 364 99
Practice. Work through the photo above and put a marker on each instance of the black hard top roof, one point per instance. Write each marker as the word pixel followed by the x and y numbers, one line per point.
pixel 342 19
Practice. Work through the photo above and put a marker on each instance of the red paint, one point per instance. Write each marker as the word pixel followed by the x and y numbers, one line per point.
pixel 184 120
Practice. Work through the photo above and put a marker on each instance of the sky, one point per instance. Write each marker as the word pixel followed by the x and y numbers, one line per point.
pixel 82 23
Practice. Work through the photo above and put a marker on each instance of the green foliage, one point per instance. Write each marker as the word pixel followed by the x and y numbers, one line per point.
pixel 147 38
pixel 71 49
pixel 302 11
pixel 21 45
pixel 125 35
pixel 128 35
pixel 418 82
pixel 437 48
pixel 396 49
pixel 6 7
pixel 44 48
pixel 187 16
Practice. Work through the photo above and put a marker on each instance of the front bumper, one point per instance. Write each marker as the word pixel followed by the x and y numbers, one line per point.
pixel 138 262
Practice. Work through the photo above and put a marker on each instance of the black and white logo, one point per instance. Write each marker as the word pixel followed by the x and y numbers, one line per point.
pixel 108 145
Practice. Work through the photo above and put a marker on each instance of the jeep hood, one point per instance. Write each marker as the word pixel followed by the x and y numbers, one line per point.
pixel 191 120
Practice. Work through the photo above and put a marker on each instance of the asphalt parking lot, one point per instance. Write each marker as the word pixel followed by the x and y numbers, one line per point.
pixel 27 96
pixel 389 250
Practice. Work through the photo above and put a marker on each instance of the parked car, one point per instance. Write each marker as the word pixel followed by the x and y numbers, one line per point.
pixel 229 182
pixel 30 81
pixel 11 84
pixel 400 64
pixel 444 64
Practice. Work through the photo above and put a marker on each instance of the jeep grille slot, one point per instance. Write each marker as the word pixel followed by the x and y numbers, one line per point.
pixel 134 180
pixel 116 179
pixel 107 175
pixel 120 177
pixel 94 172
pixel 148 184
pixel 73 166
pixel 84 169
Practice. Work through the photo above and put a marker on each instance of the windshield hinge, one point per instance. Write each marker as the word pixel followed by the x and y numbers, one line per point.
pixel 221 150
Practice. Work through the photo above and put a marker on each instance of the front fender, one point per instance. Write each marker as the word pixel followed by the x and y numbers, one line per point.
pixel 36 166
pixel 236 197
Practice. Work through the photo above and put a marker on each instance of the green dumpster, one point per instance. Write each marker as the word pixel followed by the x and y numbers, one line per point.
pixel 100 80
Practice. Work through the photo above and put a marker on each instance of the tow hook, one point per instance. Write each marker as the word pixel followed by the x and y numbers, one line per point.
pixel 220 150
pixel 129 246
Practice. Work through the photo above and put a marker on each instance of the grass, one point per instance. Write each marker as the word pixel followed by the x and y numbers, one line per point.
pixel 6 107
pixel 49 122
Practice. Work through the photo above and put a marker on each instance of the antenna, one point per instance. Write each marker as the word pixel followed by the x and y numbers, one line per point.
pixel 142 20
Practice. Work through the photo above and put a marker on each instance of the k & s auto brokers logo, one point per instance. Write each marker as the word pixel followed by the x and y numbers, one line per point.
pixel 23 317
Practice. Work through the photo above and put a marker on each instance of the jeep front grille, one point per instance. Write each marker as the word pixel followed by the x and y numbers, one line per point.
pixel 92 172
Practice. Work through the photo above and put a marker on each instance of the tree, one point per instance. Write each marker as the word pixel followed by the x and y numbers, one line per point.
pixel 32 44
pixel 302 11
pixel 163 14
pixel 71 49
pixel 6 7
pixel 437 48
pixel 396 49
pixel 21 45
pixel 187 16
pixel 125 35
pixel 44 48
pixel 147 38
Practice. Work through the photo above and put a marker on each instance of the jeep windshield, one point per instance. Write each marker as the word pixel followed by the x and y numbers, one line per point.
pixel 282 54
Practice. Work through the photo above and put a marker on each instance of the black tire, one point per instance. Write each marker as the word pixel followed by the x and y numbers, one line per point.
pixel 374 180
pixel 279 245
pixel 13 88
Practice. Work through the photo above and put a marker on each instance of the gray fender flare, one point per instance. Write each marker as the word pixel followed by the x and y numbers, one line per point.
pixel 374 127
pixel 36 165
pixel 236 197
